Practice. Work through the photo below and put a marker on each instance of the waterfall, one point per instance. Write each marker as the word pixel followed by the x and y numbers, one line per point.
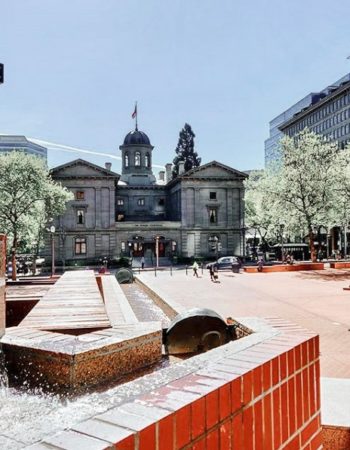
pixel 4 382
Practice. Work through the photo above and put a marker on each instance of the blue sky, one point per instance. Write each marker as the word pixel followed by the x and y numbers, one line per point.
pixel 73 70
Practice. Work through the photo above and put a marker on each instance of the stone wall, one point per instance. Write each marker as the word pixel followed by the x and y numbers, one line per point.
pixel 2 283
pixel 261 392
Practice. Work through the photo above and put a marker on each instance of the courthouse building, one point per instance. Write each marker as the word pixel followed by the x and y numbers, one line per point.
pixel 196 214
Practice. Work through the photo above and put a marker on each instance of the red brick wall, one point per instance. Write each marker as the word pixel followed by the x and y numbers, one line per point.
pixel 2 282
pixel 263 397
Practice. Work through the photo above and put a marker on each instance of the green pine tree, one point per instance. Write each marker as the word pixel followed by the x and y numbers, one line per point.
pixel 185 151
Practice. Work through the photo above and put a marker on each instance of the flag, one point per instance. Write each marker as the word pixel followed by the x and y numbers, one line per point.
pixel 134 114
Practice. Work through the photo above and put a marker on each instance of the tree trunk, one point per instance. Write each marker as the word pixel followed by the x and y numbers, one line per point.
pixel 13 258
pixel 34 265
pixel 312 246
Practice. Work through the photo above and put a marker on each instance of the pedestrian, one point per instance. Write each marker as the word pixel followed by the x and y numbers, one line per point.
pixel 211 272
pixel 142 262
pixel 216 274
pixel 260 264
pixel 195 269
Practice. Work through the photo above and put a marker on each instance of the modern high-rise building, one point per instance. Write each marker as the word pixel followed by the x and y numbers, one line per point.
pixel 326 112
pixel 10 143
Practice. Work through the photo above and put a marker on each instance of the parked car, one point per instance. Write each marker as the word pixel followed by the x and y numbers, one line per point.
pixel 226 263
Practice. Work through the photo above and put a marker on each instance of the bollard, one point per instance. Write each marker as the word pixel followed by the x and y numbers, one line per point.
pixel 171 270
pixel 155 271
pixel 202 267
pixel 186 270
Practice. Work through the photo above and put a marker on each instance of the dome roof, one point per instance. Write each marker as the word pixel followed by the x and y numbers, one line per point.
pixel 136 137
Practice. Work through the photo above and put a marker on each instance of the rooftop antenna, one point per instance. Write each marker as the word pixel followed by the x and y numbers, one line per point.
pixel 134 116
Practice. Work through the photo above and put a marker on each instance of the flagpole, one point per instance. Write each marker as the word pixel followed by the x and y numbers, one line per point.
pixel 136 115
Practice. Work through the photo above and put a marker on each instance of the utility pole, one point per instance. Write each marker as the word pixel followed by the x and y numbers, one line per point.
pixel 1 73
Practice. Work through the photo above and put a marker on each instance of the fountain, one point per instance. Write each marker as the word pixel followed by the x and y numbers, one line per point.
pixel 70 353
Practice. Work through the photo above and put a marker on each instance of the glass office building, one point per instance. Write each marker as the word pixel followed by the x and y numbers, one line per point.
pixel 326 112
pixel 10 143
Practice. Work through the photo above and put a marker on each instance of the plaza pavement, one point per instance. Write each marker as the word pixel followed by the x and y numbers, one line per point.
pixel 315 300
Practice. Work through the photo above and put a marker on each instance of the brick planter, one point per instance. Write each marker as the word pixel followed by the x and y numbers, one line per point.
pixel 261 392
pixel 286 268
pixel 339 265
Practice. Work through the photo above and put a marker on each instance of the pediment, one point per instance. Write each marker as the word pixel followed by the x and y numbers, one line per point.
pixel 80 168
pixel 214 169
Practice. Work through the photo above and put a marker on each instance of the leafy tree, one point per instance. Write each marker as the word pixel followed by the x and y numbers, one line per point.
pixel 304 191
pixel 185 151
pixel 28 198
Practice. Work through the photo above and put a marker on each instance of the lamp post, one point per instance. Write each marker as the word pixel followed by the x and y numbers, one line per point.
pixel 216 240
pixel 157 251
pixel 281 233
pixel 52 231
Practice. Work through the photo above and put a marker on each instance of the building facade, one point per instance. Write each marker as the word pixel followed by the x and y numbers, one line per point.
pixel 133 214
pixel 319 111
pixel 21 144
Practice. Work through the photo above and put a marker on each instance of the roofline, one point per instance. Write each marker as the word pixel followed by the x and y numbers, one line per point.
pixel 88 163
pixel 340 90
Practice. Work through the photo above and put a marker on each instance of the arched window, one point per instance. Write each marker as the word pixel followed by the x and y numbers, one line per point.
pixel 137 159
pixel 147 161
pixel 126 160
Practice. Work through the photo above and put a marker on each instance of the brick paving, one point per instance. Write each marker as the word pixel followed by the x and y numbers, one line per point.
pixel 315 300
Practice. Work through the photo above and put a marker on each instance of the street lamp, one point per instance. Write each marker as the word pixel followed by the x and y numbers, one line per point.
pixel 282 249
pixel 157 251
pixel 52 231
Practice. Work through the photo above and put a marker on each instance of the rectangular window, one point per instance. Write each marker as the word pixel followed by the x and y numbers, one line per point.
pixel 161 202
pixel 120 202
pixel 213 215
pixel 212 195
pixel 80 216
pixel 80 246
pixel 141 202
pixel 79 195
pixel 123 246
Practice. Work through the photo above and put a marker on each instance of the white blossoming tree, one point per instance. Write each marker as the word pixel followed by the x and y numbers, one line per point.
pixel 308 187
pixel 28 198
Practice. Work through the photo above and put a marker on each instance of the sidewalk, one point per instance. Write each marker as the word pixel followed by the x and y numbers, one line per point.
pixel 314 300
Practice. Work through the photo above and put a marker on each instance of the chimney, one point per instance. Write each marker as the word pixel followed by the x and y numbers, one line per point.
pixel 181 167
pixel 168 176
pixel 162 175
pixel 108 165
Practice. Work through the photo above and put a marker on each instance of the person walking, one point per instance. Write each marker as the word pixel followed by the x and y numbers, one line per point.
pixel 142 262
pixel 195 269
pixel 211 272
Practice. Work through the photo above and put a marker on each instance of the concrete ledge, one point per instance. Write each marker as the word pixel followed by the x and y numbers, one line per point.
pixel 335 397
pixel 285 268
pixel 117 306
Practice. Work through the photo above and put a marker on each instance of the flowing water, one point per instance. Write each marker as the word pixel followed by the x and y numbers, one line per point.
pixel 27 416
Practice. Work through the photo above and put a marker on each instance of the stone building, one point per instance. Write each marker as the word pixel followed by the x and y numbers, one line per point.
pixel 199 213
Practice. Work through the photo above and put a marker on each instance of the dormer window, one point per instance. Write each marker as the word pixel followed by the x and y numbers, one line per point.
pixel 126 160
pixel 137 159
